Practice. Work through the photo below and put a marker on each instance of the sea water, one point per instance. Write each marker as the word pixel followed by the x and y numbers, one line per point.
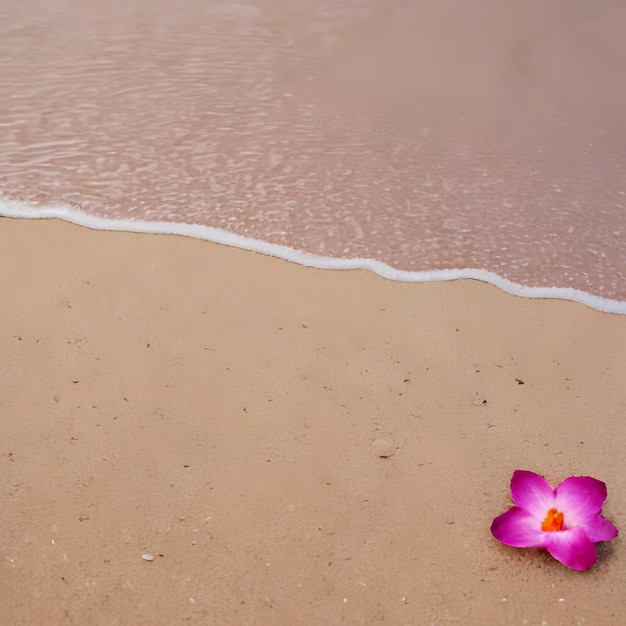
pixel 420 140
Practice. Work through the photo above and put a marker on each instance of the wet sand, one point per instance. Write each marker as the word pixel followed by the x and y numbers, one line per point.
pixel 219 409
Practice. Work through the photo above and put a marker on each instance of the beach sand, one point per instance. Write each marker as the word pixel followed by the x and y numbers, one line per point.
pixel 222 411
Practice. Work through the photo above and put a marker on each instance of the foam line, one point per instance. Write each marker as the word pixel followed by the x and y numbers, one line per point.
pixel 10 208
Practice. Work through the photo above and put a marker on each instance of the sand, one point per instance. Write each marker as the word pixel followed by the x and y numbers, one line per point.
pixel 224 412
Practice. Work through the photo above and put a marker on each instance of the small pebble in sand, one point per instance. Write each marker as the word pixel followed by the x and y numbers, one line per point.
pixel 479 400
pixel 383 447
pixel 147 557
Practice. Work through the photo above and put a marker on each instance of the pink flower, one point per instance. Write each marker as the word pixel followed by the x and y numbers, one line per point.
pixel 566 521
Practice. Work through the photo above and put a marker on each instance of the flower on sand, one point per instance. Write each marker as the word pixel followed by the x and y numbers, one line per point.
pixel 566 521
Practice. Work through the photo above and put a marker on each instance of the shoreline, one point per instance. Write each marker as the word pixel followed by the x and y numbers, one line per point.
pixel 17 210
pixel 220 410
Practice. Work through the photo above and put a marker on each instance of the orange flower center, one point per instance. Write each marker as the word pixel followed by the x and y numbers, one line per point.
pixel 553 521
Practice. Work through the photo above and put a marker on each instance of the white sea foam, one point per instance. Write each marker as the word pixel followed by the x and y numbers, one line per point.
pixel 10 208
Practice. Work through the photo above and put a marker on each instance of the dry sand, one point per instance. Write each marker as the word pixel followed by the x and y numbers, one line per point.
pixel 219 410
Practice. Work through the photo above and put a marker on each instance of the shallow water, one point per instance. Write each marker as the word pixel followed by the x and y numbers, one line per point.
pixel 481 139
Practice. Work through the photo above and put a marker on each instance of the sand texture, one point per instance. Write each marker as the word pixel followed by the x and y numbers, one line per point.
pixel 225 412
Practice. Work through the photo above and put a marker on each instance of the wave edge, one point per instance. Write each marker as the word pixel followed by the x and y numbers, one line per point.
pixel 13 209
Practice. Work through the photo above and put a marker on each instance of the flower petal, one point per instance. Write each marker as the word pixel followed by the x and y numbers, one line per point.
pixel 518 528
pixel 580 498
pixel 573 548
pixel 532 492
pixel 599 528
